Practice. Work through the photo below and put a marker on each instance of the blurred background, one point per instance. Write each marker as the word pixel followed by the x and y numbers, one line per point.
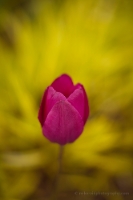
pixel 92 41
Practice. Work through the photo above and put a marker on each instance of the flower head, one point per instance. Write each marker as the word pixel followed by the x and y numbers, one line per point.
pixel 63 111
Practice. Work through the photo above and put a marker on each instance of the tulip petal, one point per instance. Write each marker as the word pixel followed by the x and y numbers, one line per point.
pixel 86 107
pixel 80 101
pixel 63 123
pixel 41 113
pixel 52 98
pixel 49 99
pixel 77 100
pixel 63 84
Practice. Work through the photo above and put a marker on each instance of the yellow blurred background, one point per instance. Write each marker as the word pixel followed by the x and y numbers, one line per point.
pixel 92 41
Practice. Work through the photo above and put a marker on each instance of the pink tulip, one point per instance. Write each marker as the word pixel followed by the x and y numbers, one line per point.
pixel 63 111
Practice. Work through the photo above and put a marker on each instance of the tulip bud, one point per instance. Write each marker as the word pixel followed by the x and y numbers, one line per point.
pixel 63 111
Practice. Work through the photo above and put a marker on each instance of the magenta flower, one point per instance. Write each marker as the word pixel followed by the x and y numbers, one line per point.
pixel 63 111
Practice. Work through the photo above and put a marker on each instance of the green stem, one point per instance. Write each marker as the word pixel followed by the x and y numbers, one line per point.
pixel 55 191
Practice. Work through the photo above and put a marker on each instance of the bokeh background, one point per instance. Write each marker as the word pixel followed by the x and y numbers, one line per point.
pixel 92 41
